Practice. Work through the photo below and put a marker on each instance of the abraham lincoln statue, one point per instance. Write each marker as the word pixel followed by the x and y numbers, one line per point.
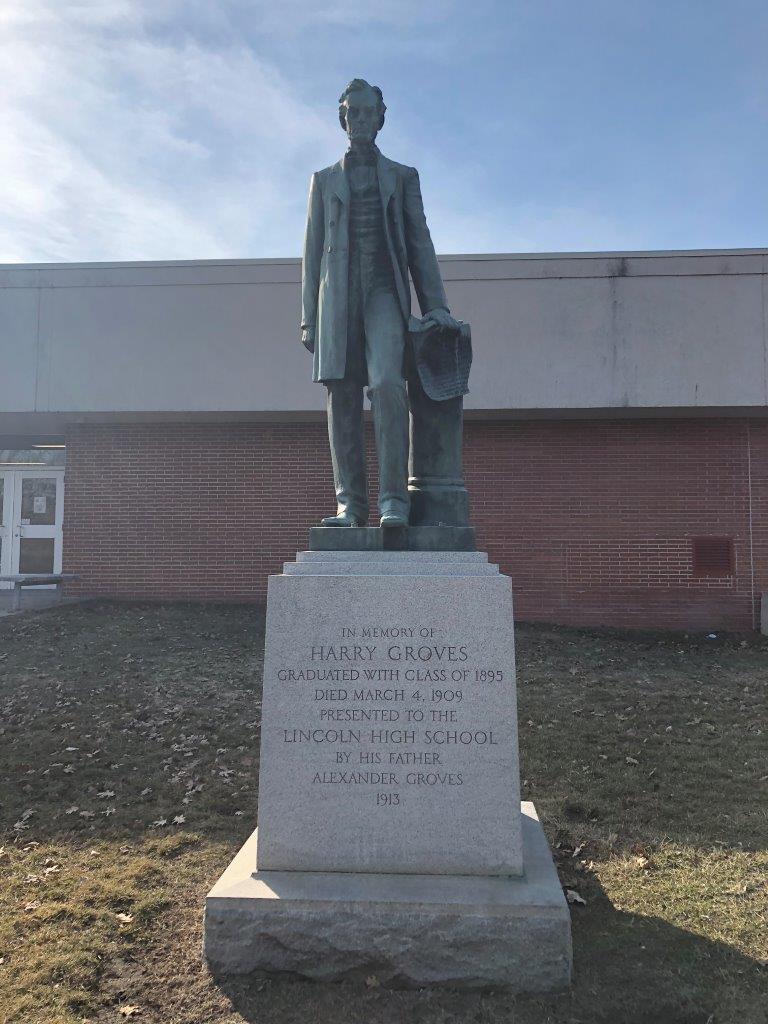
pixel 366 231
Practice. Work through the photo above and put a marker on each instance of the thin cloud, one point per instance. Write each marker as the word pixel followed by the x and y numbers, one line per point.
pixel 183 129
pixel 527 227
pixel 120 143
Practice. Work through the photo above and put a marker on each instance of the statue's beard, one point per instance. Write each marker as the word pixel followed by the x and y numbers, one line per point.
pixel 362 135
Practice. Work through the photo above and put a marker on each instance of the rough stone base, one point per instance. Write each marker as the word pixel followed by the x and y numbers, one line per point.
pixel 412 930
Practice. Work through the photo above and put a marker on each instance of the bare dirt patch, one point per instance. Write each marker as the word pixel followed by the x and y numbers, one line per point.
pixel 128 779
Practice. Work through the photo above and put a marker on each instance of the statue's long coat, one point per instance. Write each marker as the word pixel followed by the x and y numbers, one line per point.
pixel 326 256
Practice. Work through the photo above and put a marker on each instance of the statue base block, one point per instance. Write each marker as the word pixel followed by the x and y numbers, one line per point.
pixel 398 538
pixel 408 930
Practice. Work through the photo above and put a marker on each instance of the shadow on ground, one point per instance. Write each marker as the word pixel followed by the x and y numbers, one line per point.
pixel 629 969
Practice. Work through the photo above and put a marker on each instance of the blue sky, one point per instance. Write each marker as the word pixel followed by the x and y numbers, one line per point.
pixel 132 129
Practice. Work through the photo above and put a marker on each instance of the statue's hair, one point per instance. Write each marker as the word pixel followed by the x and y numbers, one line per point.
pixel 354 86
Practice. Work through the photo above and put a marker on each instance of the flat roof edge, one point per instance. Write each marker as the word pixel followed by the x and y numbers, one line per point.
pixel 28 424
pixel 294 260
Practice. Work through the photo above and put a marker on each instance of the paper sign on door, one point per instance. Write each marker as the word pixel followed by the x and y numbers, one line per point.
pixel 38 505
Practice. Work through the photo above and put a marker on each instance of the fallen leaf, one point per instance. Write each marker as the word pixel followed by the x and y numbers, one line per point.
pixel 159 823
pixel 573 897
pixel 128 1010
pixel 124 918
pixel 372 981
pixel 631 760
pixel 179 819
pixel 105 794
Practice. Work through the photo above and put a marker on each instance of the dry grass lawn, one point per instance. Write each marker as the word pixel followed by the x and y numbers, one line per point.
pixel 128 776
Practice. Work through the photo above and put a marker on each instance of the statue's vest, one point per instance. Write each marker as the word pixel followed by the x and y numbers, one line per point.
pixel 367 241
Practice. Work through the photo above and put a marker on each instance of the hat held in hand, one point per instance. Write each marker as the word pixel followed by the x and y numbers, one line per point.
pixel 443 357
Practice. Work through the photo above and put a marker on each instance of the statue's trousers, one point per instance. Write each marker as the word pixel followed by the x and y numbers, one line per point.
pixel 376 348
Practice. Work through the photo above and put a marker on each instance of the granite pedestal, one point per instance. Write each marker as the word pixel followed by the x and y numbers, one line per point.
pixel 391 839
pixel 410 930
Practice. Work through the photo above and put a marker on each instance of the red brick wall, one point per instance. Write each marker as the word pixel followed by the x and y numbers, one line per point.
pixel 591 519
pixel 757 438
pixel 594 520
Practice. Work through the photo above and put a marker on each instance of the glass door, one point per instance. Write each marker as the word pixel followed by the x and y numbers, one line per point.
pixel 38 512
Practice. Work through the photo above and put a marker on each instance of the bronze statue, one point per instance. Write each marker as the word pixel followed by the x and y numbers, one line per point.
pixel 365 231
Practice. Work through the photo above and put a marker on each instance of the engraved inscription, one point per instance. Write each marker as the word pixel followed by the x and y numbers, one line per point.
pixel 386 709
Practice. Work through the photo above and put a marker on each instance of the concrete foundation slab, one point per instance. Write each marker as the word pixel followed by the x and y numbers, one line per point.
pixel 405 538
pixel 410 930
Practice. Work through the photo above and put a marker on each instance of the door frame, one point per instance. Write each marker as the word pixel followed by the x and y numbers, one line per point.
pixel 6 523
pixel 15 531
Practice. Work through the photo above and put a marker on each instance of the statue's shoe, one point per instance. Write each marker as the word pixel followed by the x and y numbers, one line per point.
pixel 390 519
pixel 343 519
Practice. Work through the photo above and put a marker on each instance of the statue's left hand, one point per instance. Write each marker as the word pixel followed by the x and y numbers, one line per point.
pixel 308 338
pixel 442 318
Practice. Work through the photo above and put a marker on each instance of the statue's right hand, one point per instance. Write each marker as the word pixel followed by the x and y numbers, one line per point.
pixel 308 338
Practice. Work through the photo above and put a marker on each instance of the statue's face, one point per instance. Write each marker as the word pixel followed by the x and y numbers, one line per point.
pixel 362 115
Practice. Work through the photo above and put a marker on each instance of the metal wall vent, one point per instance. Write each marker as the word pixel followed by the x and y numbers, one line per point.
pixel 712 556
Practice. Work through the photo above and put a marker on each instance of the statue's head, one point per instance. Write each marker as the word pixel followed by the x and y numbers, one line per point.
pixel 361 110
